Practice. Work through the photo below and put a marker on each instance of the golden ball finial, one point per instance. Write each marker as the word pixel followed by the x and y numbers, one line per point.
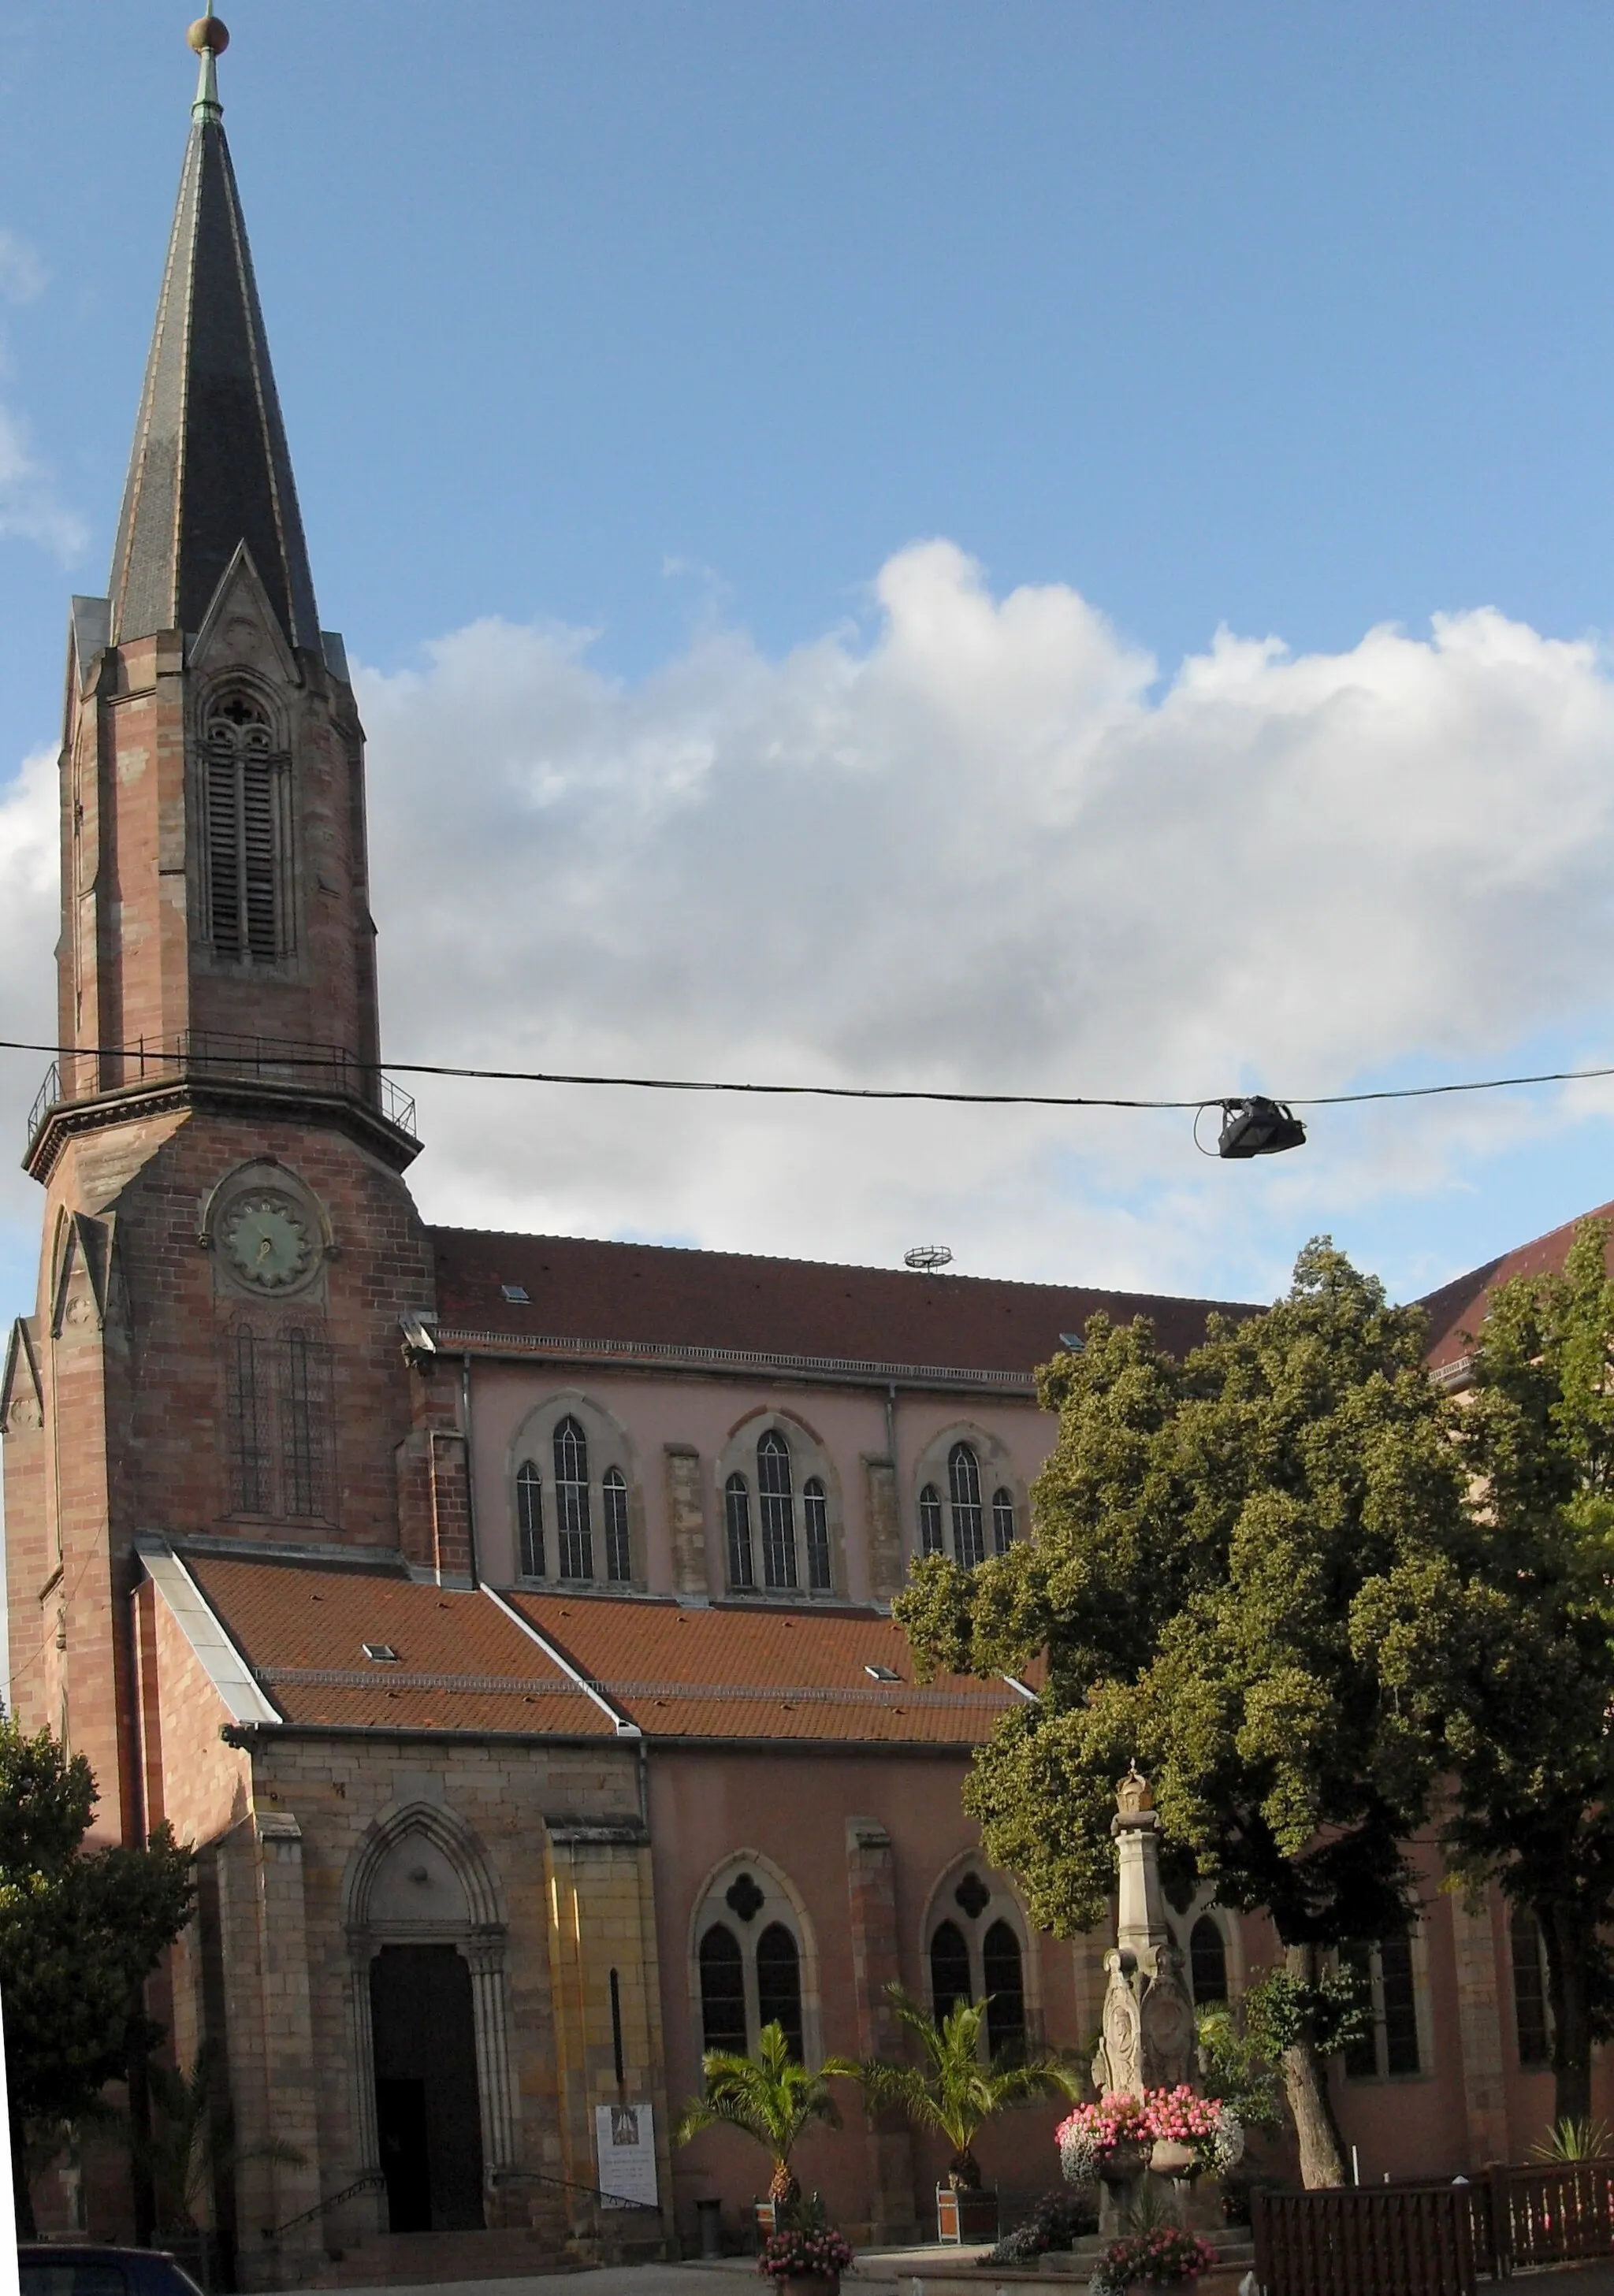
pixel 210 32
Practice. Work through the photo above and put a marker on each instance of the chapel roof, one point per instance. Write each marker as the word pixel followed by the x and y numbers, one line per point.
pixel 463 1662
pixel 664 1295
pixel 210 471
pixel 1457 1309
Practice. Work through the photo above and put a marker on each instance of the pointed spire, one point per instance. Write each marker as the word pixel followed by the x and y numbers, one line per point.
pixel 210 470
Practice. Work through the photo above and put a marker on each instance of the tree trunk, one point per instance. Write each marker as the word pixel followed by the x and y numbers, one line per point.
pixel 22 2192
pixel 1563 1935
pixel 1306 2086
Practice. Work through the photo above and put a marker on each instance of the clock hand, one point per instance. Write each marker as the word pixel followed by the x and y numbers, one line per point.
pixel 266 1244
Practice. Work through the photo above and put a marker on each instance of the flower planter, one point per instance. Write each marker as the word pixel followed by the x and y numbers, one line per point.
pixel 1124 2162
pixel 811 2283
pixel 964 2214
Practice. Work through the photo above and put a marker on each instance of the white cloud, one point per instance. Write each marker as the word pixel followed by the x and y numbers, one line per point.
pixel 985 850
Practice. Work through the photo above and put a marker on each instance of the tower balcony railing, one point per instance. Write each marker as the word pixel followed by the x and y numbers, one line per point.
pixel 201 1053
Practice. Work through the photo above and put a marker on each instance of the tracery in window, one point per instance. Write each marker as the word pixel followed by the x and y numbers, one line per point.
pixel 779 1526
pixel 244 841
pixel 1207 1962
pixel 529 1519
pixel 572 1528
pixel 930 1521
pixel 815 1509
pixel 618 1543
pixel 736 1514
pixel 964 1486
pixel 1003 1521
pixel 779 1985
pixel 1004 1980
pixel 949 1969
pixel 752 1961
pixel 722 1990
pixel 776 1502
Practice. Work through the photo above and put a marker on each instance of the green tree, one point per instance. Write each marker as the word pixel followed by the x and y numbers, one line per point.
pixel 80 1931
pixel 1206 1531
pixel 954 2090
pixel 771 2098
pixel 1503 1646
pixel 187 2146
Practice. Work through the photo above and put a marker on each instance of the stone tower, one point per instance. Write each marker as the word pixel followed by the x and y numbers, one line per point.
pixel 228 1243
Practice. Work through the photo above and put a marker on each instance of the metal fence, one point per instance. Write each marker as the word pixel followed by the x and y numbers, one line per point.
pixel 1429 2239
pixel 202 1052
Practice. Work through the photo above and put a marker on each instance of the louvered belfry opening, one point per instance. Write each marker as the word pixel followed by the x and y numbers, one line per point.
pixel 245 843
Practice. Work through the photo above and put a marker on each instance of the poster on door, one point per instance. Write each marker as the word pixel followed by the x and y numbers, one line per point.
pixel 624 2137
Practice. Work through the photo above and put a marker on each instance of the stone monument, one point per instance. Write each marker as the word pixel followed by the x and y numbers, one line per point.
pixel 1147 2036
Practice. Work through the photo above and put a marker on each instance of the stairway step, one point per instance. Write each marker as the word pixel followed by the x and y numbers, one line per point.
pixel 403 2259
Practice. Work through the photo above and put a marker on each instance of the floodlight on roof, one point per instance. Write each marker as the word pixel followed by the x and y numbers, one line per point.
pixel 927 1258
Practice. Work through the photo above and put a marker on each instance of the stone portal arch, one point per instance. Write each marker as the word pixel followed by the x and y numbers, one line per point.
pixel 421 1876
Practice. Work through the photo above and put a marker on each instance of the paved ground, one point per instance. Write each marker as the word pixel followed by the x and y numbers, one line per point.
pixel 727 2278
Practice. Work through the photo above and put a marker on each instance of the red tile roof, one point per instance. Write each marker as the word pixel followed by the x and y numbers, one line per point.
pixel 669 1298
pixel 464 1664
pixel 744 1672
pixel 461 1664
pixel 1457 1310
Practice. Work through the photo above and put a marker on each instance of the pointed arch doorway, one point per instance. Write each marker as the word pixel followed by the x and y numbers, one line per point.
pixel 437 2110
pixel 427 2111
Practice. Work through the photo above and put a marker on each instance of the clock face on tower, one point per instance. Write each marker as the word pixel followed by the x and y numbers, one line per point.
pixel 268 1243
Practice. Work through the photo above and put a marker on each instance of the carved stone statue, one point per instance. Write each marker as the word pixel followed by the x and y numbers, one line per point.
pixel 1148 2019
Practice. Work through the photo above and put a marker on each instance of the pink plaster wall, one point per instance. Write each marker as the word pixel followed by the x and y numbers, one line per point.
pixel 656 1409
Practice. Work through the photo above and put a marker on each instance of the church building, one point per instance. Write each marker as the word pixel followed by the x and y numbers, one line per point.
pixel 506 1620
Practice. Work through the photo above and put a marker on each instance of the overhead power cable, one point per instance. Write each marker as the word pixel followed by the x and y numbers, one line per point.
pixel 291 1060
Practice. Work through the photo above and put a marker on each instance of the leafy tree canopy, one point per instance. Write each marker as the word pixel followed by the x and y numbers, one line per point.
pixel 1208 1532
pixel 80 1930
pixel 1502 1647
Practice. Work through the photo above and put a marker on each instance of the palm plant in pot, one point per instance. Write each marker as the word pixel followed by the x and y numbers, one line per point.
pixel 772 2098
pixel 954 2090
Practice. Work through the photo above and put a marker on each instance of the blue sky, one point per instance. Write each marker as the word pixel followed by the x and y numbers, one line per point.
pixel 623 345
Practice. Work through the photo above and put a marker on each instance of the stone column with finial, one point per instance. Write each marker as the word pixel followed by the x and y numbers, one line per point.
pixel 1148 2035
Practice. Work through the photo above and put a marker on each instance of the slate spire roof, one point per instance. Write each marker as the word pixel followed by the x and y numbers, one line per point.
pixel 210 469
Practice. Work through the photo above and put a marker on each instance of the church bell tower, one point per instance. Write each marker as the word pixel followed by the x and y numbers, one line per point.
pixel 229 1246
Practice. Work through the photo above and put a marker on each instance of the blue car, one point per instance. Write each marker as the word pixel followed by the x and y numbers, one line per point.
pixel 87 2268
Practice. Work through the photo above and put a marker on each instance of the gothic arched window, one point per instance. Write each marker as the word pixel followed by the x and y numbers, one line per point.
pixel 246 840
pixel 1005 1983
pixel 722 1990
pixel 775 1502
pixel 949 1969
pixel 930 1520
pixel 779 1984
pixel 619 1545
pixel 964 1486
pixel 1207 1962
pixel 815 1508
pixel 248 1411
pixel 1532 2020
pixel 529 1519
pixel 1003 1521
pixel 572 1528
pixel 737 1512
